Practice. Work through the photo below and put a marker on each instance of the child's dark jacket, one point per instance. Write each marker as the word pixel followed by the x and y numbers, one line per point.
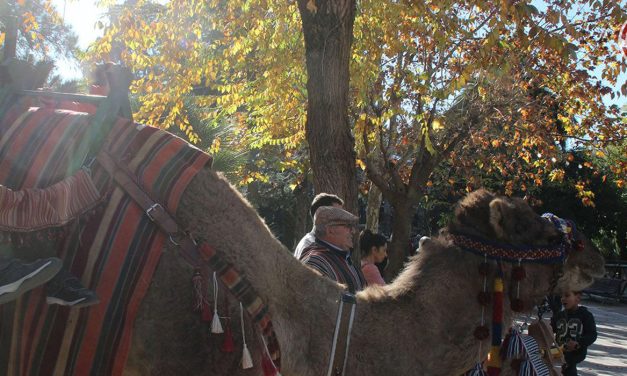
pixel 577 325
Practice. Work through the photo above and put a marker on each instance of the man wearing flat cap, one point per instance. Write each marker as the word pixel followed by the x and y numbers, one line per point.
pixel 321 199
pixel 334 229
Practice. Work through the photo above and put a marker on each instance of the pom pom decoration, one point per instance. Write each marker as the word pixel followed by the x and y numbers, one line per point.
pixel 247 361
pixel 481 332
pixel 484 298
pixel 216 326
pixel 518 273
pixel 484 269
pixel 517 305
pixel 579 246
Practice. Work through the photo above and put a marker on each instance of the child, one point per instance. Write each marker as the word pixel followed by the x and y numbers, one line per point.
pixel 574 329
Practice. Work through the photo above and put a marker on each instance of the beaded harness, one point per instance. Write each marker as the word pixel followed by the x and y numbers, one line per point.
pixel 554 254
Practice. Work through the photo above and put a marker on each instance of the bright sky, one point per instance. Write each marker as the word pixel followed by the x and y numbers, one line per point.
pixel 80 15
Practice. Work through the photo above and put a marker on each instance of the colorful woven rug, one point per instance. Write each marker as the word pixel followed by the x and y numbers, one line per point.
pixel 115 252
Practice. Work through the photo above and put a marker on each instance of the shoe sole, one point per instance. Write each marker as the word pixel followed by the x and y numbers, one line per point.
pixel 36 278
pixel 79 303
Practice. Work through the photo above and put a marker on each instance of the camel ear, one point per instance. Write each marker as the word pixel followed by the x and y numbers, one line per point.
pixel 499 212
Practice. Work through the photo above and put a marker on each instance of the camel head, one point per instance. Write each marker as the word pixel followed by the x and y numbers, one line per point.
pixel 502 219
pixel 554 254
pixel 583 262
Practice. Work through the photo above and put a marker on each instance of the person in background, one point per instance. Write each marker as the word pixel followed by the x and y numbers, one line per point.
pixel 374 250
pixel 330 253
pixel 322 199
pixel 575 330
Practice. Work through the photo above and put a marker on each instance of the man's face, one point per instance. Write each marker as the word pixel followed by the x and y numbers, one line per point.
pixel 341 235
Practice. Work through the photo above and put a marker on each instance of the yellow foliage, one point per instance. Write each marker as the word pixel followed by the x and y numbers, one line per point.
pixel 215 146
pixel 249 56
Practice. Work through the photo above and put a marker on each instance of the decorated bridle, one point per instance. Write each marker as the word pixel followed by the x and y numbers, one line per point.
pixel 554 254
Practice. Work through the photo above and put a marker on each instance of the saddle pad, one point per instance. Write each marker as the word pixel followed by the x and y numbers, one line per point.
pixel 114 251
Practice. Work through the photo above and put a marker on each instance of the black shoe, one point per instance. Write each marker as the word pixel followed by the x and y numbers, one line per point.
pixel 67 290
pixel 16 278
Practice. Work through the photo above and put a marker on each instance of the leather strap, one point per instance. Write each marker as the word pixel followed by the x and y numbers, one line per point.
pixel 154 210
pixel 341 336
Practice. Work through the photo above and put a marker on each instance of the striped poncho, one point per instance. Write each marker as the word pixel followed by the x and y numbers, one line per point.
pixel 333 263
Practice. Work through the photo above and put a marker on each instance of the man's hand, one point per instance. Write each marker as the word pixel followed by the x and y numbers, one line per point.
pixel 571 345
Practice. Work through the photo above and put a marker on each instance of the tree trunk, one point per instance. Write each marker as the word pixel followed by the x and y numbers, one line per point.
pixel 373 209
pixel 401 233
pixel 10 42
pixel 328 31
pixel 302 219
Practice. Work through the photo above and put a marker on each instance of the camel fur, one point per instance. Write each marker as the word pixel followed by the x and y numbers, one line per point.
pixel 422 323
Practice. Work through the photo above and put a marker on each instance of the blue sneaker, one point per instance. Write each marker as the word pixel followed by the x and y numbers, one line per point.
pixel 16 277
pixel 66 290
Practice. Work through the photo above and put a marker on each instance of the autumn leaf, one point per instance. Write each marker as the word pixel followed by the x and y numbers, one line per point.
pixel 311 6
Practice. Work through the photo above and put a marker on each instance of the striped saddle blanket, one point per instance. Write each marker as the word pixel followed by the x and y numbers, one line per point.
pixel 103 237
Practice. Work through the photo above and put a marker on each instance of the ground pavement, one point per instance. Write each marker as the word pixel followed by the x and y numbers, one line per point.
pixel 608 355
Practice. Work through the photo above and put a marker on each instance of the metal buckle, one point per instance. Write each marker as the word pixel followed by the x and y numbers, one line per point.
pixel 181 235
pixel 87 165
pixel 150 209
pixel 174 242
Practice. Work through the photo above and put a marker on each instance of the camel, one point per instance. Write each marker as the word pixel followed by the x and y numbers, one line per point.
pixel 422 323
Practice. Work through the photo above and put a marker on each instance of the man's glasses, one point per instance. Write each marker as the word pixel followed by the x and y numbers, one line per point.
pixel 349 226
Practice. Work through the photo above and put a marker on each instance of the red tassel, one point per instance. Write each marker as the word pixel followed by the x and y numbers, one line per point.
pixel 268 367
pixel 207 315
pixel 228 345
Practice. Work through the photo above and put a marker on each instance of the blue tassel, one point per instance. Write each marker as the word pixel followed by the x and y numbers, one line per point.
pixel 476 371
pixel 513 345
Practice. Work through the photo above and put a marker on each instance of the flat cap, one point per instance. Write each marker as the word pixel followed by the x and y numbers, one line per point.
pixel 331 215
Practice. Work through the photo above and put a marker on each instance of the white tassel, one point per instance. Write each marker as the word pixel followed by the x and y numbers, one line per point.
pixel 247 361
pixel 216 326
